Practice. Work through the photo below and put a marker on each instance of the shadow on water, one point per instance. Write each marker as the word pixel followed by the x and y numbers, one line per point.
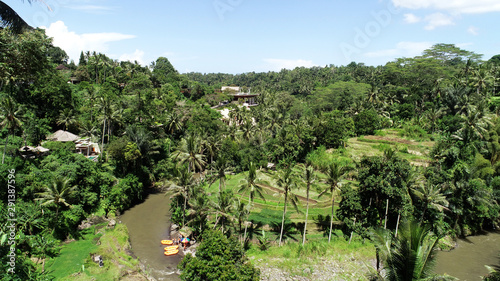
pixel 148 223
pixel 467 262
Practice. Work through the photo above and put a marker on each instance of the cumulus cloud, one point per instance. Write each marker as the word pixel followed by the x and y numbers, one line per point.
pixel 454 7
pixel 437 20
pixel 138 56
pixel 411 18
pixel 402 49
pixel 473 30
pixel 74 43
pixel 279 64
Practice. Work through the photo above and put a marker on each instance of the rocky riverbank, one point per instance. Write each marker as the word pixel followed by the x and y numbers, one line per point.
pixel 322 269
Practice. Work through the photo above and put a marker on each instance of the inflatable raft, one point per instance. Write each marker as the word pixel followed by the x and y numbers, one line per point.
pixel 167 242
pixel 175 247
pixel 171 252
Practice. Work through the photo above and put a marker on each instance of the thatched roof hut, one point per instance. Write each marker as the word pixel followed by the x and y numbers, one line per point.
pixel 63 136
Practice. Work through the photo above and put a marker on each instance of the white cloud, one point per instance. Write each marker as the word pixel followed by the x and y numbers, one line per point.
pixel 74 43
pixel 93 9
pixel 451 6
pixel 473 30
pixel 279 64
pixel 437 20
pixel 403 49
pixel 411 18
pixel 138 56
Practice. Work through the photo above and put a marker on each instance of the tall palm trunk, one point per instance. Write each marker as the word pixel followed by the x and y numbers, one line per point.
pixel 283 219
pixel 109 132
pixel 307 213
pixel 245 235
pixel 103 133
pixel 331 218
pixel 184 210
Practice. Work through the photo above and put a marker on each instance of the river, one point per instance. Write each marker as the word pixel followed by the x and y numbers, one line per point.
pixel 467 262
pixel 148 223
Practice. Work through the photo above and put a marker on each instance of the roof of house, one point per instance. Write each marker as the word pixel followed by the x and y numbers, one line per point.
pixel 28 148
pixel 41 149
pixel 233 88
pixel 63 136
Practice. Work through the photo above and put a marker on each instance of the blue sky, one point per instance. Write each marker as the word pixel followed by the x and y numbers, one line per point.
pixel 236 36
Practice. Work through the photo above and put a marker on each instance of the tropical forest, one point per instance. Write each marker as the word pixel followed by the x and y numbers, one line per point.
pixel 340 172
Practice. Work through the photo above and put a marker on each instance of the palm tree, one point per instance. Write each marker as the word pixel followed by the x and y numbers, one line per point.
pixel 58 193
pixel 183 183
pixel 286 181
pixel 87 130
pixel 482 79
pixel 374 96
pixel 190 151
pixel 431 196
pixel 475 124
pixel 66 117
pixel 200 207
pixel 409 256
pixel 10 119
pixel 223 208
pixel 115 119
pixel 10 19
pixel 211 145
pixel 106 108
pixel 433 115
pixel 247 129
pixel 221 168
pixel 249 184
pixel 274 116
pixel 242 211
pixel 308 179
pixel 335 172
pixel 143 139
pixel 173 123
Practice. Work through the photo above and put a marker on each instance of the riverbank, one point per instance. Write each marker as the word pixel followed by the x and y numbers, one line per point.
pixel 316 260
pixel 79 259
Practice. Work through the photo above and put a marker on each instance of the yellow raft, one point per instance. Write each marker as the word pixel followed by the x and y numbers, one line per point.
pixel 168 248
pixel 167 242
pixel 171 252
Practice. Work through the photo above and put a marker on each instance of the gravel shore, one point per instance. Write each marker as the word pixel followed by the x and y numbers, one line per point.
pixel 323 270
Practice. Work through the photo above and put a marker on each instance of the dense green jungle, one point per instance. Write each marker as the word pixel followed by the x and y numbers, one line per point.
pixel 384 164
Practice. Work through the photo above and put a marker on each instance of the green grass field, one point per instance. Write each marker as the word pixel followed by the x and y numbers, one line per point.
pixel 271 208
pixel 74 261
pixel 414 151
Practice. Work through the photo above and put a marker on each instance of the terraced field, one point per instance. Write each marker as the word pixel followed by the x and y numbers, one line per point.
pixel 414 151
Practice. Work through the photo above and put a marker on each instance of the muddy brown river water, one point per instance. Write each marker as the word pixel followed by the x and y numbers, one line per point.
pixel 148 223
pixel 467 262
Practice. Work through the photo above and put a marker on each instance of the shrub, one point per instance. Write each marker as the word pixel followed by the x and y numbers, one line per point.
pixel 366 122
pixel 125 193
pixel 414 132
pixel 218 258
